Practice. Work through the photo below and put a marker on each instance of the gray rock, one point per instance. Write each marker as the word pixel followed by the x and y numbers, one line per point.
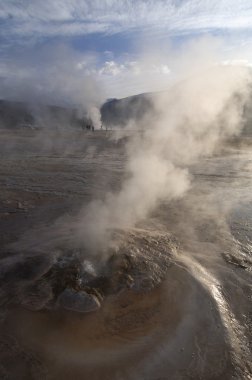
pixel 80 302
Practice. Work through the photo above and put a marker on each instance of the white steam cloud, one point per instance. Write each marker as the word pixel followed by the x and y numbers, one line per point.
pixel 95 115
pixel 185 124
pixel 54 74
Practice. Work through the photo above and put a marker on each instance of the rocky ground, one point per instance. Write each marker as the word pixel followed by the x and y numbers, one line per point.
pixel 169 300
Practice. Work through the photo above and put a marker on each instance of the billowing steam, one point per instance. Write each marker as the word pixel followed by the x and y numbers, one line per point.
pixel 54 75
pixel 94 114
pixel 185 124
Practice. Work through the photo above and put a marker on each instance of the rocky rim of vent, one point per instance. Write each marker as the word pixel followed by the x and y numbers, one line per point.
pixel 139 263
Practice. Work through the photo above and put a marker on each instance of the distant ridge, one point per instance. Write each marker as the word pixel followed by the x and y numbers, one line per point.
pixel 15 114
pixel 119 112
pixel 115 113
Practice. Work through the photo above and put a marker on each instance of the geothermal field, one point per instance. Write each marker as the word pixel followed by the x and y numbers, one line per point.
pixel 126 251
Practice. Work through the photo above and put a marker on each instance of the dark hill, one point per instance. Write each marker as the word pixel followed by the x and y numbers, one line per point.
pixel 119 112
pixel 26 115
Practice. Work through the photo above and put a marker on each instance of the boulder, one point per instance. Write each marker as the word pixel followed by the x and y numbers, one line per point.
pixel 80 302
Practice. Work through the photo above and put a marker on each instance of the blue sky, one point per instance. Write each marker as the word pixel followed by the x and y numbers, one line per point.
pixel 116 43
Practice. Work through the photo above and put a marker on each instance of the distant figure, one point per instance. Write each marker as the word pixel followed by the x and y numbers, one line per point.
pixel 92 128
pixel 101 126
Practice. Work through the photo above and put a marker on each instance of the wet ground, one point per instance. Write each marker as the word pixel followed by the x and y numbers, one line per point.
pixel 172 301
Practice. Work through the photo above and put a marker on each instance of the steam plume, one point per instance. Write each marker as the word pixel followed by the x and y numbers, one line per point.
pixel 54 75
pixel 186 123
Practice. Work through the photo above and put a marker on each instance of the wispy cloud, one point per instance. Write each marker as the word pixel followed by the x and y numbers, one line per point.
pixel 130 77
pixel 129 27
pixel 29 18
pixel 56 75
